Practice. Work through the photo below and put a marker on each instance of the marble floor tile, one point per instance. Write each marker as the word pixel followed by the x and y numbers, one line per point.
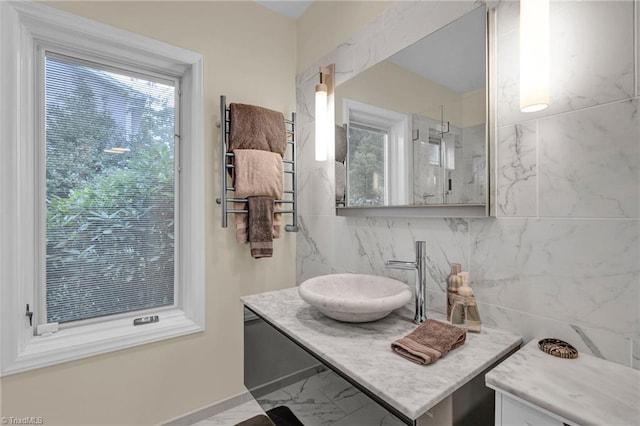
pixel 234 415
pixel 369 415
pixel 324 399
pixel 344 395
pixel 306 400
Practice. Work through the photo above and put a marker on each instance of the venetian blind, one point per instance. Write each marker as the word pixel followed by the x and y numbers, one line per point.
pixel 110 190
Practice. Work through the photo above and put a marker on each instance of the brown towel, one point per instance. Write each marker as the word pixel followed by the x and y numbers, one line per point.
pixel 254 127
pixel 242 223
pixel 261 226
pixel 430 341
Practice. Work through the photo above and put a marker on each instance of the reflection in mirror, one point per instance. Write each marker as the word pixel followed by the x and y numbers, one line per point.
pixel 414 126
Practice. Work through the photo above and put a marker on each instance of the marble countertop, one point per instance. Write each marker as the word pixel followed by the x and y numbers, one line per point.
pixel 586 390
pixel 362 351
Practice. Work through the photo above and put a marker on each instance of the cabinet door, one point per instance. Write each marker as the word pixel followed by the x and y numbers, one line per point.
pixel 515 413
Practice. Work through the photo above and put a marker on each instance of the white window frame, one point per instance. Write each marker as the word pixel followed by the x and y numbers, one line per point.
pixel 398 165
pixel 23 25
pixel 42 49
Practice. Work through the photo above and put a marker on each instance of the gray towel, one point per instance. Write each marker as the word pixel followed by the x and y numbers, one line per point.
pixel 341 143
pixel 254 127
pixel 341 181
pixel 261 226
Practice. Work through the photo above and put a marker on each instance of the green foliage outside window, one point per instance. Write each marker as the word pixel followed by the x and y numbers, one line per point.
pixel 110 217
pixel 366 167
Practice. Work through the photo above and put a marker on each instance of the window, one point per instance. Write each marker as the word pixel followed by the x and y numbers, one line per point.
pixel 104 167
pixel 379 155
pixel 109 199
pixel 366 165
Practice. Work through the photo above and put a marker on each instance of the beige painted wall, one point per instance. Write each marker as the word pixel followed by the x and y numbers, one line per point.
pixel 250 56
pixel 474 109
pixel 327 23
pixel 392 87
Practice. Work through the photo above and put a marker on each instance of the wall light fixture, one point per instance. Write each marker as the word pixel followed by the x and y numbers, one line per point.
pixel 534 55
pixel 323 90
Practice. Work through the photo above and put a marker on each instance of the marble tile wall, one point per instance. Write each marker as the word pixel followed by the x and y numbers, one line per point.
pixel 562 256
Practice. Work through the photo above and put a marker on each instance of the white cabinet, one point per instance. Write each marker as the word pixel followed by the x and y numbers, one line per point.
pixel 535 388
pixel 512 412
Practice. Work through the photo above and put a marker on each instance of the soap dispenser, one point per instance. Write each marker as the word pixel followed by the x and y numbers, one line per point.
pixel 452 286
pixel 457 310
pixel 465 309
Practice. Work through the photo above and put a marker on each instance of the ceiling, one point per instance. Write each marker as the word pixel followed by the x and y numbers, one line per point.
pixel 291 8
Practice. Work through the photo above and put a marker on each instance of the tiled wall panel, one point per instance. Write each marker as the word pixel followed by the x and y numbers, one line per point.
pixel 562 257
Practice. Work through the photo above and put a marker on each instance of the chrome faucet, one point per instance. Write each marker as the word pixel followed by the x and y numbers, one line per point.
pixel 421 279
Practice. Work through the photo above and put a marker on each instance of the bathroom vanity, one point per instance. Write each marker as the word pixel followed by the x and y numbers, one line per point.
pixel 533 387
pixel 360 354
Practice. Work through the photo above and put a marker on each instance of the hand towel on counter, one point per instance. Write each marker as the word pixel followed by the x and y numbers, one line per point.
pixel 430 341
pixel 260 226
pixel 254 127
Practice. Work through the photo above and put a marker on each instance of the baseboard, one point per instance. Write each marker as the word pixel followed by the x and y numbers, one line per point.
pixel 200 414
pixel 203 413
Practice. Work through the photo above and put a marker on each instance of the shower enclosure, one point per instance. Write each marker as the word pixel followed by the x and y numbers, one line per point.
pixel 448 162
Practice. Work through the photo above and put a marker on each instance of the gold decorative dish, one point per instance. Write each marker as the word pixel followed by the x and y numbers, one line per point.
pixel 557 347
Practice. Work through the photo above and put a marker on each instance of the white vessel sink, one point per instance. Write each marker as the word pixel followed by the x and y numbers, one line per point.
pixel 354 297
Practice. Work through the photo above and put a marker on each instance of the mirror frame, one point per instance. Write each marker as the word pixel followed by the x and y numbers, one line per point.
pixel 456 210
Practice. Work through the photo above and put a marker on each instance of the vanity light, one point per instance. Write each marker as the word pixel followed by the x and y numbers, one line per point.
pixel 322 114
pixel 534 55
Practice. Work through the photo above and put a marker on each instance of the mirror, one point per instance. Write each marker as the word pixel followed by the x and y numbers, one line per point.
pixel 412 130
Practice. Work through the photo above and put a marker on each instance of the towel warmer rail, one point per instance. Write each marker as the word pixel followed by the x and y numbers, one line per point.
pixel 225 165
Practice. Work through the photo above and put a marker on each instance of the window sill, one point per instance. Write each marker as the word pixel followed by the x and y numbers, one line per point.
pixel 80 342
